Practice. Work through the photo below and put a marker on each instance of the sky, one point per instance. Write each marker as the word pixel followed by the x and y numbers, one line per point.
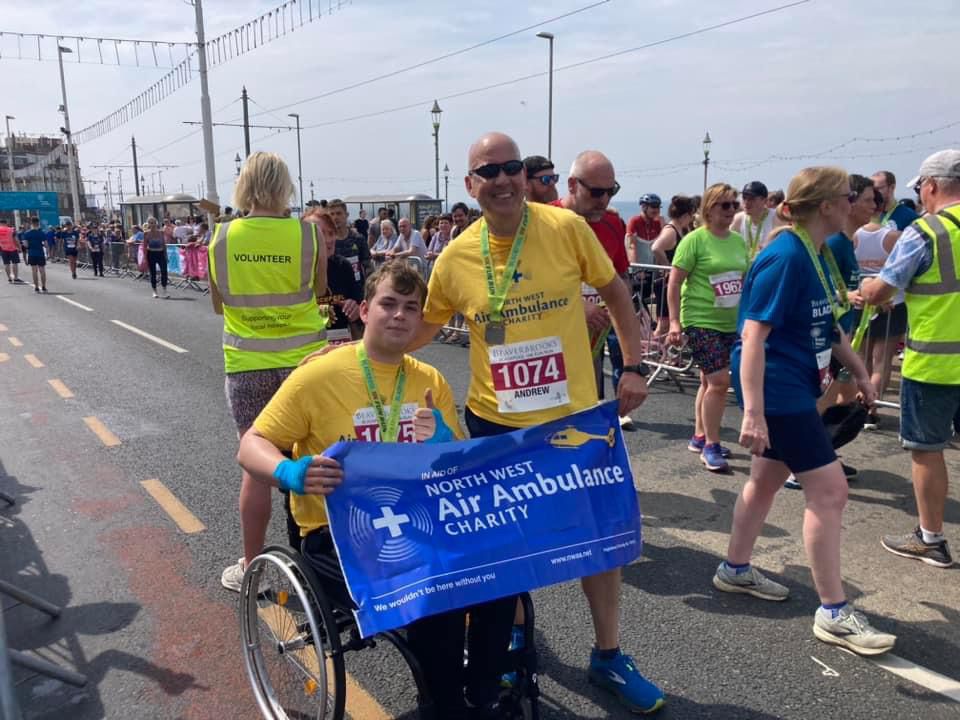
pixel 773 91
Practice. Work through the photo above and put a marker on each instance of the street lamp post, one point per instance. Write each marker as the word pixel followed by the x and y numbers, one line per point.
pixel 549 36
pixel 237 160
pixel 435 112
pixel 706 158
pixel 13 182
pixel 311 191
pixel 71 156
pixel 299 160
pixel 446 188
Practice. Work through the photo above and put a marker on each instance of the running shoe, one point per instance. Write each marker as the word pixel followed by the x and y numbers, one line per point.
pixel 619 675
pixel 626 422
pixel 166 296
pixel 36 289
pixel 43 290
pixel 850 629
pixel 792 483
pixel 912 545
pixel 873 422
pixel 155 295
pixel 749 582
pixel 232 577
pixel 712 457
pixel 698 442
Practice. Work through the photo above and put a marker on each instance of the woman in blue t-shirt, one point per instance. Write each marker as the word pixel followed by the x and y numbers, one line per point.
pixel 787 326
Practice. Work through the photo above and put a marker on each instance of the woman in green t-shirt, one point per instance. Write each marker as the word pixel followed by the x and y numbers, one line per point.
pixel 703 296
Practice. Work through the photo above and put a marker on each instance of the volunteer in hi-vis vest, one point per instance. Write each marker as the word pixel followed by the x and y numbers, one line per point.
pixel 266 272
pixel 925 263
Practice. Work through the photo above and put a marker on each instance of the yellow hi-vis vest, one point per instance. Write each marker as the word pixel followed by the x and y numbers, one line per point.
pixel 932 353
pixel 265 269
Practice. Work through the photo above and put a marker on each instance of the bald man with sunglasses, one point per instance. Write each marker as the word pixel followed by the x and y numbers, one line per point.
pixel 516 277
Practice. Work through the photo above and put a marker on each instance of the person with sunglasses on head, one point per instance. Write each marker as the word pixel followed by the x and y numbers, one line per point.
pixel 756 221
pixel 703 294
pixel 646 226
pixel 792 298
pixel 923 264
pixel 591 185
pixel 891 213
pixel 516 276
pixel 542 179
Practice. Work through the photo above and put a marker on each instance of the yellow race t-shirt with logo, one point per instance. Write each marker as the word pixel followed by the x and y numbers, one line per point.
pixel 544 369
pixel 326 401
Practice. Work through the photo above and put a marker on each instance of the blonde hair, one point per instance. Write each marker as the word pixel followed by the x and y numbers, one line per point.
pixel 808 189
pixel 264 183
pixel 712 197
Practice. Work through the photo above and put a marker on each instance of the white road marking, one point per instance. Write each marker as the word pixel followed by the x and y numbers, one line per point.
pixel 74 302
pixel 148 336
pixel 948 687
pixel 827 670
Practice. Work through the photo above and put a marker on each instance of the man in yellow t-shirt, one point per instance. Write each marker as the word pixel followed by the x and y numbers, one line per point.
pixel 371 391
pixel 516 277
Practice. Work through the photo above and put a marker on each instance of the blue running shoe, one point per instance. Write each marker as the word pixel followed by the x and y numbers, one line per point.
pixel 509 680
pixel 712 457
pixel 698 442
pixel 620 676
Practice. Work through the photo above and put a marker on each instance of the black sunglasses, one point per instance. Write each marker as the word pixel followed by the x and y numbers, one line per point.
pixel 492 170
pixel 727 204
pixel 547 179
pixel 600 192
pixel 918 185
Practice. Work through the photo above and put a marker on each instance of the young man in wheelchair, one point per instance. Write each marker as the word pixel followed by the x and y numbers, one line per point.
pixel 372 391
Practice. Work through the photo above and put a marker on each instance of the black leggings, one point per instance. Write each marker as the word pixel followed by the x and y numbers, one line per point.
pixel 155 258
pixel 97 259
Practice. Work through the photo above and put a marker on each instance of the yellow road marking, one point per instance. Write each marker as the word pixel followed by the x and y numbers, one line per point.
pixel 14 341
pixel 185 520
pixel 61 389
pixel 101 431
pixel 360 704
pixel 33 360
pixel 4 357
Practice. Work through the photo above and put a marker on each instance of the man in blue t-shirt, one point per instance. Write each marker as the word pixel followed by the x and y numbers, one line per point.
pixel 885 182
pixel 34 240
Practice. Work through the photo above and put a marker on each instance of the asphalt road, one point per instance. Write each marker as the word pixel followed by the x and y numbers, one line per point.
pixel 148 622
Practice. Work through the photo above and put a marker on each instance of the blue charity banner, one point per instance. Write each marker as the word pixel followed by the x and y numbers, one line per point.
pixel 425 528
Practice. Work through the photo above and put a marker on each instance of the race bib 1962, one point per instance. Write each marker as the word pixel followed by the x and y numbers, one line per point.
pixel 726 288
pixel 529 375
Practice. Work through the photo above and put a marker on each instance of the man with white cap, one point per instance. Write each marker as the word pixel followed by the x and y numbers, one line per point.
pixel 923 263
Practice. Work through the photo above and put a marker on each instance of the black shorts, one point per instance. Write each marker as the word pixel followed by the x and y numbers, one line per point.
pixel 10 257
pixel 800 441
pixel 70 252
pixel 36 260
pixel 878 326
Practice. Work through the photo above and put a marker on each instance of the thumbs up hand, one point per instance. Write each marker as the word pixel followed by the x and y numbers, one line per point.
pixel 428 424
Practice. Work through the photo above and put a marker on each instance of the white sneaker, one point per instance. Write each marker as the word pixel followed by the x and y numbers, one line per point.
pixel 155 296
pixel 232 577
pixel 626 422
pixel 851 630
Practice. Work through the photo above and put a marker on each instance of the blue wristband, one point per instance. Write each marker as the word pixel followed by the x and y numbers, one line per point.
pixel 291 474
pixel 443 433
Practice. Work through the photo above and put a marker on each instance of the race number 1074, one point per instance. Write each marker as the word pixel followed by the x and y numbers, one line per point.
pixel 529 372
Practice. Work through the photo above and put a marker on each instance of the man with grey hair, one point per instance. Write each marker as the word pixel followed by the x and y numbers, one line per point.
pixel 591 185
pixel 922 264
pixel 410 241
pixel 520 250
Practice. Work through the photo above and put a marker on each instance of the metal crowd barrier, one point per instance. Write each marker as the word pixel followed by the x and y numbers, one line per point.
pixel 887 360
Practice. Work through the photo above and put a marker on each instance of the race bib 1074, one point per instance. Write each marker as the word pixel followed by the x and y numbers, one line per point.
pixel 529 376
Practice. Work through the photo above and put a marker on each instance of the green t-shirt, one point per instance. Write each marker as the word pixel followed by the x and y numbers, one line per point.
pixel 711 293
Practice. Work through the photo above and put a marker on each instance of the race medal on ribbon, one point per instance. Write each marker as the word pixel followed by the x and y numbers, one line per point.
pixel 495 334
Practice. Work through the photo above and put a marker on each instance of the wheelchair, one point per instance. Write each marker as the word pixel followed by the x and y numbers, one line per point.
pixel 296 625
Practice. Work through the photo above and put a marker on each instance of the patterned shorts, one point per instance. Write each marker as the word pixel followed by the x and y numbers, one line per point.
pixel 249 392
pixel 710 348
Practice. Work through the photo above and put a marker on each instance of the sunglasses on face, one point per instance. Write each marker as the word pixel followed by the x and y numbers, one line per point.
pixel 728 204
pixel 492 170
pixel 918 185
pixel 653 206
pixel 547 179
pixel 600 192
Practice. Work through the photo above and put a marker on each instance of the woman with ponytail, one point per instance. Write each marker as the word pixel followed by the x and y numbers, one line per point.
pixel 792 298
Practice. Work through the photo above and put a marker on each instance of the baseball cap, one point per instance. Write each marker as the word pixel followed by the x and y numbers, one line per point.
pixel 755 189
pixel 535 163
pixel 943 164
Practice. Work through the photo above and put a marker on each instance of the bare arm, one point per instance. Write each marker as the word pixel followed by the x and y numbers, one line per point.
pixel 631 241
pixel 753 431
pixel 632 389
pixel 215 296
pixel 666 241
pixel 889 240
pixel 677 276
pixel 260 457
pixel 876 292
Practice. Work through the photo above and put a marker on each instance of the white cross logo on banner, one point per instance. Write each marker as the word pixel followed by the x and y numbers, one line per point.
pixel 390 521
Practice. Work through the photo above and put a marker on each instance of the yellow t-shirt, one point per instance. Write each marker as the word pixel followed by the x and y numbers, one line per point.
pixel 545 361
pixel 326 401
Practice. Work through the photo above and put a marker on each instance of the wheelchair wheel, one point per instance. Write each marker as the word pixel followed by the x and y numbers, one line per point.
pixel 290 640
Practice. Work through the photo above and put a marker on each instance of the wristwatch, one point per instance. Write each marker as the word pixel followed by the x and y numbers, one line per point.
pixel 640 369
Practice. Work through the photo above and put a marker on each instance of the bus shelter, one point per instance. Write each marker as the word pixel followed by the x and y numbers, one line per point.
pixel 416 207
pixel 179 206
